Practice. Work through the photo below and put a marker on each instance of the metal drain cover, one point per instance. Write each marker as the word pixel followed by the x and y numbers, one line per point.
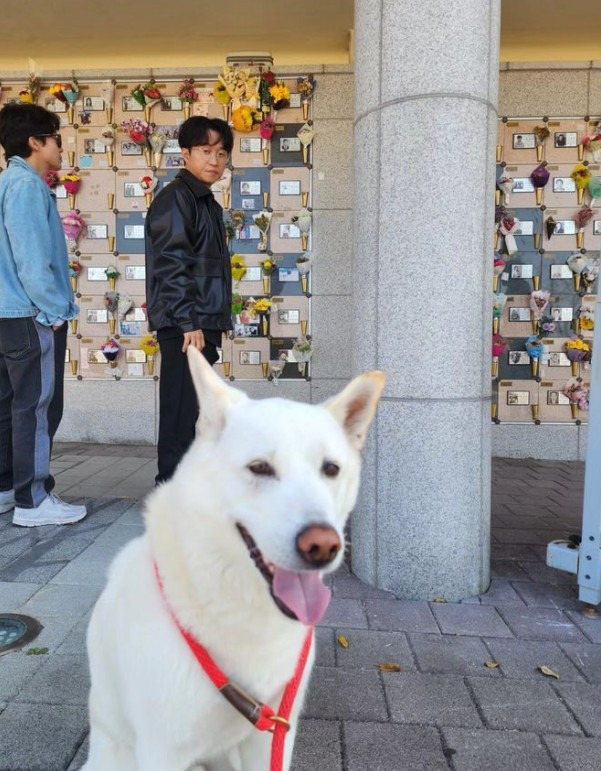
pixel 16 631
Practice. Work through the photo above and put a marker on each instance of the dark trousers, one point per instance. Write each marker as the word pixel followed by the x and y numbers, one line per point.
pixel 32 365
pixel 178 404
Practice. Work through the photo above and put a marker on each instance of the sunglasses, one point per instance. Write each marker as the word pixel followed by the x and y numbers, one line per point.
pixel 57 138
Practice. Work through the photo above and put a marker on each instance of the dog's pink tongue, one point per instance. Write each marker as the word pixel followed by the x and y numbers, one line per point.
pixel 304 593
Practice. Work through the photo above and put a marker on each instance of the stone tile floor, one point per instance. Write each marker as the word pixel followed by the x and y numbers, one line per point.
pixel 445 709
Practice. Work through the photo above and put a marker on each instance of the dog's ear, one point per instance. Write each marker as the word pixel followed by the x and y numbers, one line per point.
pixel 355 406
pixel 214 396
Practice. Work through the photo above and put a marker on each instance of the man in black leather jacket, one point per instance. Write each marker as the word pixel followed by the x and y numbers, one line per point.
pixel 188 279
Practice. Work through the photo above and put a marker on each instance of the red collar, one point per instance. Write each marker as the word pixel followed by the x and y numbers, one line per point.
pixel 262 716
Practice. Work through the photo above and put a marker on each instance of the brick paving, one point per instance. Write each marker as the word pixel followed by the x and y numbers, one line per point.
pixel 444 710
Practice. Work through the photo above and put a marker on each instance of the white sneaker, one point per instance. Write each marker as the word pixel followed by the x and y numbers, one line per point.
pixel 7 501
pixel 51 511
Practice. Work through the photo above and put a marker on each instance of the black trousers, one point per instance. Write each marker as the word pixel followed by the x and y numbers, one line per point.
pixel 32 367
pixel 178 404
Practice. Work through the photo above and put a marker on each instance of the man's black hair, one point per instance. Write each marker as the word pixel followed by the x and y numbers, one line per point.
pixel 18 122
pixel 197 131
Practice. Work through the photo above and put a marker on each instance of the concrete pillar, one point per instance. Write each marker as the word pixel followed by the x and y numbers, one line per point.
pixel 425 136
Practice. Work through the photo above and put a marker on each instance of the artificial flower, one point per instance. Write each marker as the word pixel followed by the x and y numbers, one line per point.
pixel 138 130
pixel 583 217
pixel 187 92
pixel 581 175
pixel 244 119
pixel 280 94
pixel 150 345
pixel 261 306
pixel 267 128
pixel 71 181
pixel 238 267
pixel 221 94
pixel 52 179
pixel 73 225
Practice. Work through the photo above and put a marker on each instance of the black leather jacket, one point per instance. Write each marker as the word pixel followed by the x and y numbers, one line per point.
pixel 188 273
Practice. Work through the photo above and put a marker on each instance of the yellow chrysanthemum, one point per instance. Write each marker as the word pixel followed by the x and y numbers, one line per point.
pixel 221 94
pixel 149 345
pixel 242 118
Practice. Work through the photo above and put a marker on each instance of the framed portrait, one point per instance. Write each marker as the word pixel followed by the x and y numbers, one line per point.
pixel 290 145
pixel 171 103
pixel 134 356
pixel 133 190
pixel 524 141
pixel 251 144
pixel 130 148
pixel 564 185
pixel 96 274
pixel 523 185
pixel 288 274
pixel 250 187
pixel 518 358
pixel 565 228
pixel 288 230
pixel 253 273
pixel 246 330
pixel 96 357
pixel 558 359
pixel 565 139
pixel 597 227
pixel 171 147
pixel 518 398
pixel 249 357
pixel 248 203
pixel 290 187
pixel 130 328
pixel 129 104
pixel 519 314
pixel 556 398
pixel 135 314
pixel 560 272
pixel 249 233
pixel 562 314
pixel 93 146
pixel 174 162
pixel 295 101
pixel 60 191
pixel 526 228
pixel 97 316
pixel 288 316
pixel 54 105
pixel 133 232
pixel 521 271
pixel 93 103
pixel 135 272
pixel 97 231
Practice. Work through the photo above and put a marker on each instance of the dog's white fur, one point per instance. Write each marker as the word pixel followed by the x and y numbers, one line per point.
pixel 152 708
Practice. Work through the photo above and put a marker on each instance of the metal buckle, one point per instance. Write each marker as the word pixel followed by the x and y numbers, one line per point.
pixel 281 721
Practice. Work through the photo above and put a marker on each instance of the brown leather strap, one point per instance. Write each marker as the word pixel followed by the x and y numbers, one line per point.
pixel 245 704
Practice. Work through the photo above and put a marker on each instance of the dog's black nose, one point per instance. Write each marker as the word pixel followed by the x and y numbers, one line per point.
pixel 318 545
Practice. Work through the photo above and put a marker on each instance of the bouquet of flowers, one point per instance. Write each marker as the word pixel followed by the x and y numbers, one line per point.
pixel 535 350
pixel 581 175
pixel 241 87
pixel 547 324
pixel 499 346
pixel 262 308
pixel 71 181
pixel 306 88
pixel 276 366
pixel 110 351
pixel 188 94
pixel 112 274
pixel 590 274
pixel 107 139
pixel 30 94
pixel 267 128
pixel 577 350
pixel 238 267
pixel 303 222
pixel 539 178
pixel 305 134
pixel 577 394
pixel 280 94
pixel 111 303
pixel 507 227
pixel 157 141
pixel 268 266
pixel 124 304
pixel 139 132
pixel 238 219
pixel 505 185
pixel 237 304
pixel 586 318
pixel 498 268
pixel 148 183
pixel 266 81
pixel 541 134
pixel 550 225
pixel 52 179
pixel 592 144
pixel 303 350
pixel 244 119
pixel 75 269
pixel 263 222
pixel 539 299
pixel 73 225
pixel 498 306
pixel 221 94
pixel 230 231
pixel 150 346
pixel 582 218
pixel 147 96
pixel 577 264
pixel 67 93
pixel 303 265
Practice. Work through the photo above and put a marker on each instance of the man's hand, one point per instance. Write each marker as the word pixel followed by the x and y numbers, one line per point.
pixel 196 338
pixel 56 327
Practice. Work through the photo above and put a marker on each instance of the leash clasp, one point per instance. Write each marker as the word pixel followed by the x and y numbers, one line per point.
pixel 281 721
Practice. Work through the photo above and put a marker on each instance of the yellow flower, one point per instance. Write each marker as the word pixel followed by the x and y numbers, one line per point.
pixel 262 306
pixel 26 96
pixel 238 267
pixel 581 175
pixel 221 94
pixel 587 324
pixel 149 345
pixel 242 118
pixel 280 92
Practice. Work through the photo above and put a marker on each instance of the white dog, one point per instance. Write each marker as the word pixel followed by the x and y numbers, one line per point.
pixel 234 552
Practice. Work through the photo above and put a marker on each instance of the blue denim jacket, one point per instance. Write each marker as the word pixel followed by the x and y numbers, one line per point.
pixel 34 261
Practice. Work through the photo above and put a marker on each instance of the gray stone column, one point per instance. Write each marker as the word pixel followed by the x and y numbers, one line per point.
pixel 425 135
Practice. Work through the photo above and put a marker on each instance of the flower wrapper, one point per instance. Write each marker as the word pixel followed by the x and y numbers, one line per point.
pixel 110 349
pixel 111 302
pixel 305 134
pixel 237 304
pixel 56 91
pixel 586 317
pixel 302 221
pixel 138 130
pixel 583 217
pixel 498 305
pixel 107 138
pixel 263 222
pixel 577 393
pixel 267 128
pixel 71 91
pixel 540 176
pixel 578 349
pixel 73 225
pixel 591 273
pixel 303 263
pixel 238 267
pixel 30 94
pixel 499 346
pixel 112 273
pixel 75 268
pixel 303 350
pixel 221 94
pixel 577 262
pixel 550 225
pixel 507 227
pixel 157 141
pixel 592 144
pixel 152 94
pixel 241 86
pixel 124 304
pixel 581 175
pixel 539 299
pixel 148 183
pixel 534 347
pixel 150 345
pixel 498 266
pixel 505 185
pixel 238 219
pixel 541 134
pixel 71 181
pixel 261 307
pixel 52 179
pixel 547 324
pixel 268 266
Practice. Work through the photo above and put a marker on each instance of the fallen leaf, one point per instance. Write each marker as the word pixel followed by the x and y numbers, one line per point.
pixel 36 651
pixel 343 641
pixel 440 599
pixel 549 672
pixel 491 664
pixel 390 667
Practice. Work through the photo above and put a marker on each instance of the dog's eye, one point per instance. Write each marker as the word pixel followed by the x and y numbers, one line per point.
pixel 330 469
pixel 261 468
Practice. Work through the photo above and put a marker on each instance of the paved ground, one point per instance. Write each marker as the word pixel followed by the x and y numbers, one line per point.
pixel 445 709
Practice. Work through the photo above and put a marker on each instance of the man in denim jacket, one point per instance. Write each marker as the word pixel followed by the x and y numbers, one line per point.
pixel 36 301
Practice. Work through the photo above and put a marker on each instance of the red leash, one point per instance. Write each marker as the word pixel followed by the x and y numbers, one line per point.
pixel 262 716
